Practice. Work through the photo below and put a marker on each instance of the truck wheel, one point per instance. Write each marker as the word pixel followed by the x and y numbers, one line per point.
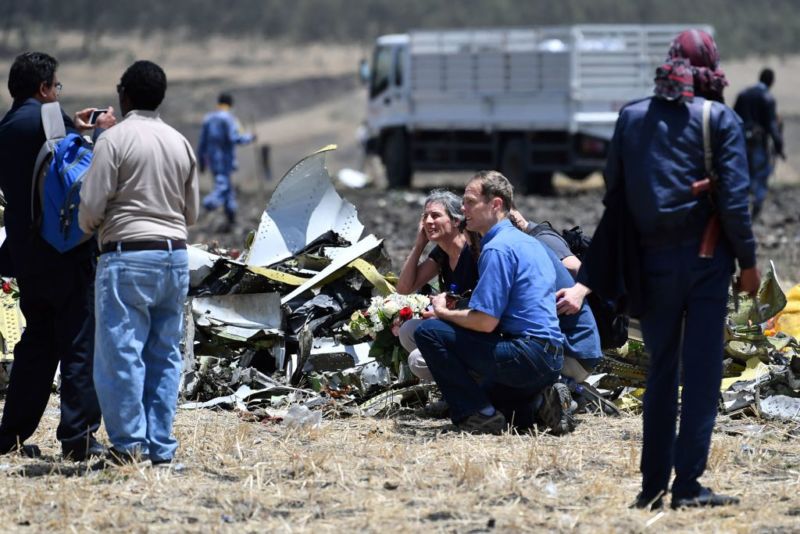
pixel 514 165
pixel 542 184
pixel 397 160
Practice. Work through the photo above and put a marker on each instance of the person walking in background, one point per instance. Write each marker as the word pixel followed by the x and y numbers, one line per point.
pixel 217 152
pixel 56 290
pixel 140 194
pixel 756 106
pixel 656 155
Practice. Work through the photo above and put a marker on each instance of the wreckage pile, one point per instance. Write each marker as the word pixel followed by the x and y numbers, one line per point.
pixel 271 326
pixel 761 362
pixel 268 329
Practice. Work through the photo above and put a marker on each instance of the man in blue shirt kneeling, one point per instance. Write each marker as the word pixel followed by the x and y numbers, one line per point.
pixel 493 360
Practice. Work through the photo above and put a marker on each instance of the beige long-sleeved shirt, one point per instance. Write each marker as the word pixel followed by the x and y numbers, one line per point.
pixel 142 183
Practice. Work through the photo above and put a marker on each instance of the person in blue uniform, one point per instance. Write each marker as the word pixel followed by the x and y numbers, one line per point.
pixel 217 152
pixel 756 106
pixel 656 154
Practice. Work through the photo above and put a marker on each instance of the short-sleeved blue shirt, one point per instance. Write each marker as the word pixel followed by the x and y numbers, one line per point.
pixel 517 284
pixel 582 340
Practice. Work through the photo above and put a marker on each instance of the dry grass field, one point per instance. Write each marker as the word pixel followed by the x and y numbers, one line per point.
pixel 398 474
pixel 362 474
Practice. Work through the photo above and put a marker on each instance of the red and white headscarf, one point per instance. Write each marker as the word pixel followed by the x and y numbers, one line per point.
pixel 692 67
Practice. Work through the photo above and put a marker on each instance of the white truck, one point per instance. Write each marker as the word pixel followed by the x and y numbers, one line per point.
pixel 526 101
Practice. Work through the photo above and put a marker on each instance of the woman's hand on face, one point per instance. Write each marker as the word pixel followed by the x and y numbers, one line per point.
pixel 422 237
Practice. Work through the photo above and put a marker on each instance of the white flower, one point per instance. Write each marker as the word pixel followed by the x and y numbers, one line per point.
pixel 390 308
pixel 383 312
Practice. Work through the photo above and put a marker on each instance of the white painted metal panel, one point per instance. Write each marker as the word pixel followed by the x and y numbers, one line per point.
pixel 303 207
pixel 542 77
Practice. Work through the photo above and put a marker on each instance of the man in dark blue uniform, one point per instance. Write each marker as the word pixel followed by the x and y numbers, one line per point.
pixel 756 106
pixel 56 290
pixel 656 155
pixel 217 151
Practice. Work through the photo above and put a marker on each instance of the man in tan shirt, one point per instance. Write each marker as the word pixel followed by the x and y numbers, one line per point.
pixel 140 194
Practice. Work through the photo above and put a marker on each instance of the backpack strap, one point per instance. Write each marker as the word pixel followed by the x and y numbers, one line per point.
pixel 54 131
pixel 709 155
pixel 52 121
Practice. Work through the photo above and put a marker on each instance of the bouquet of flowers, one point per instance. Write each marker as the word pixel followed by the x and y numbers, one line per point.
pixel 386 314
pixel 381 321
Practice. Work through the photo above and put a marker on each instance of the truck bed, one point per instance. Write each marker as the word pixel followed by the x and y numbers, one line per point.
pixel 572 78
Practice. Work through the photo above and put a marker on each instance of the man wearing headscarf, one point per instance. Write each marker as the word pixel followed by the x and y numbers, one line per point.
pixel 656 154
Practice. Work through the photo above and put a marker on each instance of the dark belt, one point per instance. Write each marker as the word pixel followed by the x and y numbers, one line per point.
pixel 548 346
pixel 127 246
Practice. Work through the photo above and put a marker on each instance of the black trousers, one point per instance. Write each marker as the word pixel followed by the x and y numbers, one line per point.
pixel 58 306
pixel 685 306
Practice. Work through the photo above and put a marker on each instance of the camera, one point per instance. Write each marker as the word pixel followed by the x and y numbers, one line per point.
pixel 96 113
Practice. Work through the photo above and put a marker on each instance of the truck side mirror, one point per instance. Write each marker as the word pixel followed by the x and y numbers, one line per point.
pixel 363 71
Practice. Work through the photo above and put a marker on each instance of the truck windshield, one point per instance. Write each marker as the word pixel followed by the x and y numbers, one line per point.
pixel 381 70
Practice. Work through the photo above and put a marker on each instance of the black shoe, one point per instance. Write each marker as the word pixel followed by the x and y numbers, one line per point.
pixel 81 450
pixel 706 497
pixel 28 451
pixel 478 423
pixel 554 412
pixel 651 503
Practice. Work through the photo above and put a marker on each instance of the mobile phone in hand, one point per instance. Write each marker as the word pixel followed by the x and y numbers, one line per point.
pixel 96 113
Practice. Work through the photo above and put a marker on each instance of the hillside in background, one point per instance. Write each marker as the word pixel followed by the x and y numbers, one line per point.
pixel 744 28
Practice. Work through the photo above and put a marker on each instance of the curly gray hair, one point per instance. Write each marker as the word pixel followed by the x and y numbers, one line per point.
pixel 450 201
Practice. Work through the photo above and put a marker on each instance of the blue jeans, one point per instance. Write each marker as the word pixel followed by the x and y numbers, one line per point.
pixel 222 195
pixel 682 325
pixel 139 299
pixel 760 171
pixel 474 370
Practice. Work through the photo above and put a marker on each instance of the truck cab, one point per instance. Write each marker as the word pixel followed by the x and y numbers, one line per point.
pixel 387 108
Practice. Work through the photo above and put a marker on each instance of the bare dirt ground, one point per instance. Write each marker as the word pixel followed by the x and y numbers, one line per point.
pixel 402 473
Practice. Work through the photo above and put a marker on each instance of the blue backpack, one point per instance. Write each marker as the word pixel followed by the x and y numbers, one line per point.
pixel 57 177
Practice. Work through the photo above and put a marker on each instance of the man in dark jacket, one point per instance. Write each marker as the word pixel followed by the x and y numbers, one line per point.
pixel 56 290
pixel 756 106
pixel 656 154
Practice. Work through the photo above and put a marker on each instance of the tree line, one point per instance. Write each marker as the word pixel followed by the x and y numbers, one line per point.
pixel 743 27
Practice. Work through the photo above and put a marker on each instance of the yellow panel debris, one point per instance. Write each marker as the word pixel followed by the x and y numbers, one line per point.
pixel 11 325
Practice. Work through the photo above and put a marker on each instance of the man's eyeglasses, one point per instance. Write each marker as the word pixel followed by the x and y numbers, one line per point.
pixel 59 87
